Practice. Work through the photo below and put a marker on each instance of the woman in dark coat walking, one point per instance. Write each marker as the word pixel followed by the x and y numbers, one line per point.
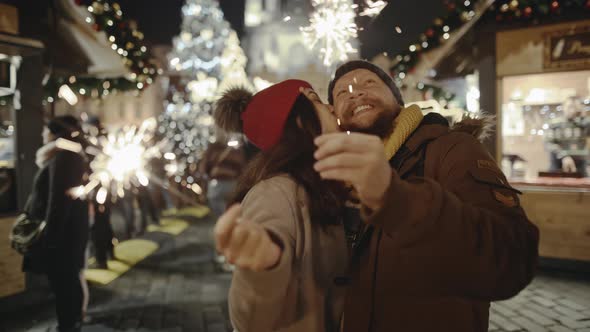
pixel 60 253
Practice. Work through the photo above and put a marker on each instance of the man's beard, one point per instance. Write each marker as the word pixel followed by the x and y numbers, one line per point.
pixel 382 127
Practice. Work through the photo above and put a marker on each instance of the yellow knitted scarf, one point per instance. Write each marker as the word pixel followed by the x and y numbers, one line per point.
pixel 406 122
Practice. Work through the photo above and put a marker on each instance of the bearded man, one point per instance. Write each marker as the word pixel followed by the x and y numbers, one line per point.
pixel 441 231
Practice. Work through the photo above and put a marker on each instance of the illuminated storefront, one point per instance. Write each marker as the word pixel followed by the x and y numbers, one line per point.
pixel 21 121
pixel 536 82
pixel 544 111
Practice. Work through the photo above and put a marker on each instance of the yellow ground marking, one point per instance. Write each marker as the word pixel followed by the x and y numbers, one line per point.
pixel 128 254
pixel 199 211
pixel 170 226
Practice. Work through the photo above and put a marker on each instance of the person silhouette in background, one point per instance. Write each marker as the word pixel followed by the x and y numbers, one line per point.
pixel 60 253
pixel 102 234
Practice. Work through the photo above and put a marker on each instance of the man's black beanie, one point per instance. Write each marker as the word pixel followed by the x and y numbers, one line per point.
pixel 360 64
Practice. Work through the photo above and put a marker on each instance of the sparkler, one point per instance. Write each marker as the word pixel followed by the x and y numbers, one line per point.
pixel 119 162
pixel 332 27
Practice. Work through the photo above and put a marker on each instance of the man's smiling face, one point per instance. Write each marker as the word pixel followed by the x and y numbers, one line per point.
pixel 364 103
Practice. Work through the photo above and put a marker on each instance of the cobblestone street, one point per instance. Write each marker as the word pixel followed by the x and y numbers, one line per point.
pixel 180 289
pixel 550 303
pixel 176 289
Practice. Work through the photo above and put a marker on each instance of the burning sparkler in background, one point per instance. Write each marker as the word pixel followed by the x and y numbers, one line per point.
pixel 120 161
pixel 332 27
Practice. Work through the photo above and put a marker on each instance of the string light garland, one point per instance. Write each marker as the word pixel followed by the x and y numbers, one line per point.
pixel 125 39
pixel 460 12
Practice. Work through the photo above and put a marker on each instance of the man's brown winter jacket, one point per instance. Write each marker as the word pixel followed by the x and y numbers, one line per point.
pixel 449 238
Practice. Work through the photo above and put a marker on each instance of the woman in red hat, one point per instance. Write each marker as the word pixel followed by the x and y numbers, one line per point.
pixel 289 247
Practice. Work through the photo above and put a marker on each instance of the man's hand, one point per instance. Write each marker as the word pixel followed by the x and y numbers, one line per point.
pixel 245 244
pixel 568 165
pixel 358 159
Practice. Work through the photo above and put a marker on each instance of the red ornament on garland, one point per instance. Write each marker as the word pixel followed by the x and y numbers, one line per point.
pixel 430 32
pixel 79 2
pixel 554 6
pixel 528 11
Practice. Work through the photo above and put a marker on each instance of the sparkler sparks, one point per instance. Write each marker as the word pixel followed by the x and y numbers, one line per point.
pixel 331 27
pixel 122 161
pixel 119 162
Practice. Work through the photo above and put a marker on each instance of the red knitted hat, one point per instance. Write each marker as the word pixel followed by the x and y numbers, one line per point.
pixel 265 116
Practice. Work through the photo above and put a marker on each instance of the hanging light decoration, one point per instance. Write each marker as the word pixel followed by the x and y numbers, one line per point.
pixel 373 8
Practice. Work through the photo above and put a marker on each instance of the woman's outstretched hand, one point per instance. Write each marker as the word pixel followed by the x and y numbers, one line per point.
pixel 245 244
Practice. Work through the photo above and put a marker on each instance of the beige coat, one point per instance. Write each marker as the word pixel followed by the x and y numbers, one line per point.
pixel 303 292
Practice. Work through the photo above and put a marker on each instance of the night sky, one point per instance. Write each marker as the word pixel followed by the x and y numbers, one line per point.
pixel 160 20
pixel 412 16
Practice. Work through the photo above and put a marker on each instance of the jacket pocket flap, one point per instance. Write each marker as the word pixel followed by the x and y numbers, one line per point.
pixel 492 179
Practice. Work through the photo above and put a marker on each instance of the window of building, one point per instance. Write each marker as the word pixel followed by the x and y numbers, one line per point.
pixel 546 128
pixel 7 144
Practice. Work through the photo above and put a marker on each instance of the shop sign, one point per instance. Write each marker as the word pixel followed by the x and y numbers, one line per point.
pixel 8 19
pixel 568 49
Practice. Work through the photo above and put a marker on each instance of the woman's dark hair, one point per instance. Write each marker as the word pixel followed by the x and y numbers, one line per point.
pixel 293 155
pixel 64 126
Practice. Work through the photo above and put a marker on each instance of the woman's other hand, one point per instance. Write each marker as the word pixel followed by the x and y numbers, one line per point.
pixel 245 244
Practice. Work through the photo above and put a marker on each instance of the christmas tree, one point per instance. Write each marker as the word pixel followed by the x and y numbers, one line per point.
pixel 208 59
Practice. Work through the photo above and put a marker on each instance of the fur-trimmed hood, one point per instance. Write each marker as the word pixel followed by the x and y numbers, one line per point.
pixel 435 126
pixel 45 153
pixel 479 126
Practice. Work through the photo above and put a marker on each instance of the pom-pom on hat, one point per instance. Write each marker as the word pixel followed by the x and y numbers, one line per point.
pixel 261 117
